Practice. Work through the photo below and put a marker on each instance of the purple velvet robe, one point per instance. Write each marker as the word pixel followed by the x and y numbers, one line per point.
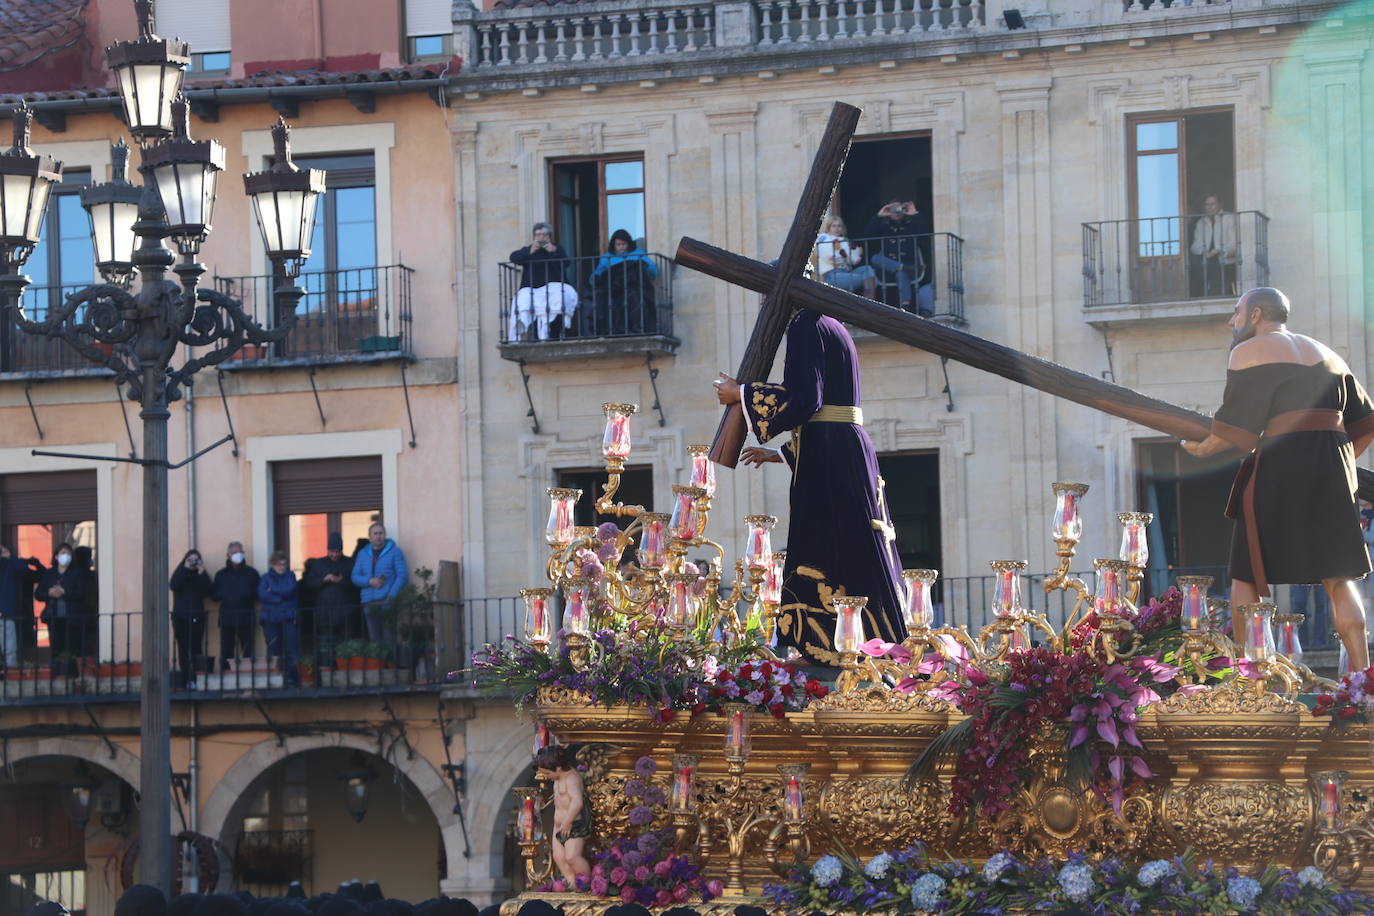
pixel 840 539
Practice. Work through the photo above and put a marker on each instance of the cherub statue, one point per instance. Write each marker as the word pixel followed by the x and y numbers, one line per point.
pixel 572 815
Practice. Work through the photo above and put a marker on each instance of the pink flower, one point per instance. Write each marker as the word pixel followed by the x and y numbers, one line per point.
pixel 642 873
pixel 559 887
pixel 663 898
pixel 619 875
pixel 662 868
pixel 714 887
pixel 627 895
pixel 597 871
pixel 682 893
pixel 599 886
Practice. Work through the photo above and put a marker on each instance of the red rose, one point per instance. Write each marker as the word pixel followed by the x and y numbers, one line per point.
pixel 813 686
pixel 776 710
pixel 717 692
pixel 698 708
pixel 723 676
pixel 788 690
pixel 666 715
pixel 1349 712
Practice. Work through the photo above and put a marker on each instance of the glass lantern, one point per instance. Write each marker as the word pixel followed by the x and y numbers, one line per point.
pixel 538 619
pixel 542 737
pixel 686 519
pixel 527 814
pixel 770 591
pixel 113 209
pixel 737 740
pixel 916 606
pixel 558 532
pixel 703 468
pixel 653 540
pixel 849 624
pixel 1289 642
pixel 185 172
pixel 793 791
pixel 577 611
pixel 1110 598
pixel 1194 589
pixel 285 199
pixel 760 551
pixel 682 604
pixel 1135 550
pixel 1006 592
pixel 149 72
pixel 26 178
pixel 1068 522
pixel 1328 786
pixel 1259 635
pixel 615 441
pixel 684 797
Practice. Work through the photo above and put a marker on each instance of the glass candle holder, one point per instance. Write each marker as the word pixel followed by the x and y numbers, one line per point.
pixel 527 813
pixel 538 619
pixel 1110 597
pixel 615 441
pixel 760 550
pixel 849 624
pixel 682 604
pixel 1194 590
pixel 559 530
pixel 1135 549
pixel 542 737
pixel 737 743
pixel 1329 788
pixel 685 523
pixel 577 610
pixel 684 796
pixel 1259 635
pixel 1068 523
pixel 703 468
pixel 916 605
pixel 1006 591
pixel 770 591
pixel 793 792
pixel 653 540
pixel 1287 639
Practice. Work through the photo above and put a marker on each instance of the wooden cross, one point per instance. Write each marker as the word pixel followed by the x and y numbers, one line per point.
pixel 787 290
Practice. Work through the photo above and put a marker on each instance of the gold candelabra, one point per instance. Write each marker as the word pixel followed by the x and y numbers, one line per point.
pixel 1341 851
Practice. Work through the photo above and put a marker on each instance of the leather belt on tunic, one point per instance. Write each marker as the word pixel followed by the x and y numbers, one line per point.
pixel 1313 420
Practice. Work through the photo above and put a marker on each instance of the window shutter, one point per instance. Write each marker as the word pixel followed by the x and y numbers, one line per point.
pixel 331 485
pixel 38 499
pixel 202 23
pixel 429 17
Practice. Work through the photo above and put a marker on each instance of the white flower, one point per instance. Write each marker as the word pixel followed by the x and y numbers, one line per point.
pixel 1076 881
pixel 878 865
pixel 993 868
pixel 1312 876
pixel 1151 872
pixel 826 871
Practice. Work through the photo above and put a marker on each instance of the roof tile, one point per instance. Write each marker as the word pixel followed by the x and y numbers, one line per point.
pixel 30 29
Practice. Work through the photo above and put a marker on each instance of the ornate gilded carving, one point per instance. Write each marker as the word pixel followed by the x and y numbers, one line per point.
pixel 880 701
pixel 1245 823
pixel 869 814
pixel 1228 698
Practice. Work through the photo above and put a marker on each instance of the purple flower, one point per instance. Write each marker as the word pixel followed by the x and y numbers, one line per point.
pixel 753 697
pixel 641 815
pixel 644 766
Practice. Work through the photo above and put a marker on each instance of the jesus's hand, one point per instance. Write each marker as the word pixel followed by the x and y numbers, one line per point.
pixel 758 457
pixel 727 390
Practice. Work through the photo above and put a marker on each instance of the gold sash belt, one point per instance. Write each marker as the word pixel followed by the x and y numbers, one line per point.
pixel 831 413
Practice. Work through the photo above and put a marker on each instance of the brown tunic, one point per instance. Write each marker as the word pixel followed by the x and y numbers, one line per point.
pixel 1303 498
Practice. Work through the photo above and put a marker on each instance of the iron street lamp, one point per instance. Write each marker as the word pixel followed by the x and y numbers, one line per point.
pixel 78 794
pixel 148 327
pixel 113 208
pixel 284 201
pixel 356 781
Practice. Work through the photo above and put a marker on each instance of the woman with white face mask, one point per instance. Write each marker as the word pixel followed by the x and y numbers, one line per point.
pixel 62 591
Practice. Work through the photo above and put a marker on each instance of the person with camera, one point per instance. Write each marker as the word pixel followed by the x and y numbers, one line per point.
pixel 543 295
pixel 190 585
pixel 900 233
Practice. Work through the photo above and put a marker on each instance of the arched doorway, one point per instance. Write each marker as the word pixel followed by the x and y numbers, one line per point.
pixel 295 822
pixel 65 822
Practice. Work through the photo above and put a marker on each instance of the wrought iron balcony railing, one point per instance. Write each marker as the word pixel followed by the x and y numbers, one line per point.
pixel 570 299
pixel 345 315
pixel 30 354
pixel 902 265
pixel 1174 258
pixel 267 861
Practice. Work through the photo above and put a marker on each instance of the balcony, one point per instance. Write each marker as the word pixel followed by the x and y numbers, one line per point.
pixel 935 278
pixel 358 315
pixel 30 356
pixel 1156 268
pixel 576 312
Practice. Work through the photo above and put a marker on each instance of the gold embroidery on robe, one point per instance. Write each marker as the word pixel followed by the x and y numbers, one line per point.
pixel 765 402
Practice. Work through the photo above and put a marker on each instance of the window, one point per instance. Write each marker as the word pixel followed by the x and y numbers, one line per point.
pixel 911 487
pixel 1176 162
pixel 1190 533
pixel 595 197
pixel 430 47
pixel 636 489
pixel 428 28
pixel 313 499
pixel 209 62
pixel 204 25
pixel 64 258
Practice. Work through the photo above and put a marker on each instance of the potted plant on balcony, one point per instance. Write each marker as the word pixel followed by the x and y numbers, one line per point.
pixel 376 655
pixel 306 668
pixel 348 655
pixel 379 343
pixel 414 605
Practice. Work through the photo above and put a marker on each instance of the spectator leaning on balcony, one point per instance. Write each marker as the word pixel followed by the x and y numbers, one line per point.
pixel 543 295
pixel 190 587
pixel 380 571
pixel 623 288
pixel 840 263
pixel 12 570
pixel 63 593
pixel 328 582
pixel 236 590
pixel 278 592
pixel 1215 249
pixel 901 256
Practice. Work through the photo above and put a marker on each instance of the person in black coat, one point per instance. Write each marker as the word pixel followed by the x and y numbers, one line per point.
pixel 15 603
pixel 190 587
pixel 544 294
pixel 62 590
pixel 328 583
pixel 899 239
pixel 236 590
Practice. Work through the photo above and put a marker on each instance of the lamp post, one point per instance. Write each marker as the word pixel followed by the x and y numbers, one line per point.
pixel 129 226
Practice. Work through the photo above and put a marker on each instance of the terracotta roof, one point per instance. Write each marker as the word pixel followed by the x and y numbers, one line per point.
pixel 29 29
pixel 266 79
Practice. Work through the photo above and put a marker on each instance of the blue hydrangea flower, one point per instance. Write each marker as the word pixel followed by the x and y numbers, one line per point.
pixel 1076 881
pixel 826 871
pixel 928 891
pixel 878 865
pixel 1312 876
pixel 1151 872
pixel 1243 891
pixel 993 868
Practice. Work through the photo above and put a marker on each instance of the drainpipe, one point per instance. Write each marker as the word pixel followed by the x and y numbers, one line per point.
pixel 190 397
pixel 193 768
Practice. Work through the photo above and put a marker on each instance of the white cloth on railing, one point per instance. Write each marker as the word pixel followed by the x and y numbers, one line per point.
pixel 538 306
pixel 1218 232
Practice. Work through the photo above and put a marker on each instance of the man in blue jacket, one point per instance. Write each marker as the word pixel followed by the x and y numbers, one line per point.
pixel 380 570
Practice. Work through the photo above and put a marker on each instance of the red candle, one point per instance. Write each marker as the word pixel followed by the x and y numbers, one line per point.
pixel 527 820
pixel 1331 801
pixel 684 788
pixel 794 798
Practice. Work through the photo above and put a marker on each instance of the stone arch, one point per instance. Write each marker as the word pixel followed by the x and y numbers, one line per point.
pixel 217 817
pixel 90 748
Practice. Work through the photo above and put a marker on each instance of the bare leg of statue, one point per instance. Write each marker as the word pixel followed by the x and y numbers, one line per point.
pixel 1347 612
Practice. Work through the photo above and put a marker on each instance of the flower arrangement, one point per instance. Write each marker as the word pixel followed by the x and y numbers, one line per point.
pixel 911 879
pixel 772 687
pixel 1353 699
pixel 1013 704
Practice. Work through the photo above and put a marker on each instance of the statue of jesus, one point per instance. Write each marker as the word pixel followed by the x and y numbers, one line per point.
pixel 840 539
